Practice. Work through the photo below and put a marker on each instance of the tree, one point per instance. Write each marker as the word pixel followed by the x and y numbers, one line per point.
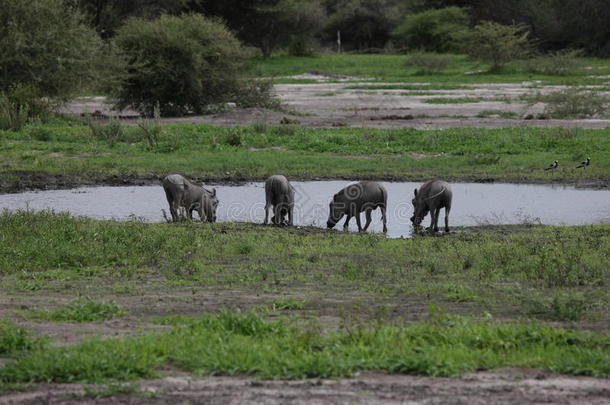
pixel 46 45
pixel 268 24
pixel 364 24
pixel 182 64
pixel 439 30
pixel 499 44
pixel 106 16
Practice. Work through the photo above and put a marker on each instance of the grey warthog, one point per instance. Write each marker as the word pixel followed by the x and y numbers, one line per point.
pixel 355 198
pixel 431 197
pixel 181 193
pixel 279 194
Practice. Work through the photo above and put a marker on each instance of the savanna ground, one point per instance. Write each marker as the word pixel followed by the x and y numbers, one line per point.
pixel 520 313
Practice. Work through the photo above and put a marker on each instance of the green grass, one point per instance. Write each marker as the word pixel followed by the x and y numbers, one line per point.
pixel 392 68
pixel 498 271
pixel 16 339
pixel 218 153
pixel 233 343
pixel 454 100
pixel 79 310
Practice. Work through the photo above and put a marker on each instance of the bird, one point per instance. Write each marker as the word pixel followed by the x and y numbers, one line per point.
pixel 553 166
pixel 584 163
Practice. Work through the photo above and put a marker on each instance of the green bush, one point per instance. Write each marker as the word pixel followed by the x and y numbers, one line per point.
pixel 45 44
pixel 183 64
pixel 498 44
pixel 573 102
pixel 439 30
pixel 21 104
pixel 560 63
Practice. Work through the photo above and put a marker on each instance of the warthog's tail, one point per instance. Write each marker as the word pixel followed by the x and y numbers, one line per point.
pixel 436 195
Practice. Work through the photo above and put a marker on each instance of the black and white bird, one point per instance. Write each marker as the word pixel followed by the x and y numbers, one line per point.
pixel 584 164
pixel 553 166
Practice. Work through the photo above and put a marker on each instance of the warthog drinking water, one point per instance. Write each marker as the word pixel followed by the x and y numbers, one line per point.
pixel 355 198
pixel 432 196
pixel 181 193
pixel 279 194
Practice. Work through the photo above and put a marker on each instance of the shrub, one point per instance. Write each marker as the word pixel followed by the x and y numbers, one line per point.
pixel 428 62
pixel 573 102
pixel 560 63
pixel 498 44
pixel 21 104
pixel 439 30
pixel 45 44
pixel 182 63
pixel 111 132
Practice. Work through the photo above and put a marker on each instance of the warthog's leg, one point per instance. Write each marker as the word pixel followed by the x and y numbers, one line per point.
pixel 277 214
pixel 290 214
pixel 358 222
pixel 447 209
pixel 367 214
pixel 346 224
pixel 172 205
pixel 384 219
pixel 267 206
pixel 437 213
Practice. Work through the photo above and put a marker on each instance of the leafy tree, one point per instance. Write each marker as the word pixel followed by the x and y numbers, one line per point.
pixel 499 44
pixel 364 24
pixel 439 30
pixel 106 16
pixel 183 64
pixel 268 24
pixel 47 46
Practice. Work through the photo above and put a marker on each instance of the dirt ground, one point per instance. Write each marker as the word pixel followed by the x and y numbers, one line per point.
pixel 331 104
pixel 506 386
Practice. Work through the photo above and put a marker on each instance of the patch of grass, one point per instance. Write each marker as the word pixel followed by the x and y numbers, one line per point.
pixel 560 307
pixel 499 113
pixel 414 86
pixel 281 304
pixel 107 390
pixel 16 339
pixel 232 343
pixel 573 102
pixel 454 100
pixel 89 253
pixel 251 153
pixel 80 310
pixel 329 94
pixel 559 69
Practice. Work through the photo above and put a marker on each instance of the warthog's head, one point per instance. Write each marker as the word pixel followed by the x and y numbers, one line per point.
pixel 336 212
pixel 420 210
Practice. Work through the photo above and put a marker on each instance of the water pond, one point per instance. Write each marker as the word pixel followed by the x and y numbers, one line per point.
pixel 473 204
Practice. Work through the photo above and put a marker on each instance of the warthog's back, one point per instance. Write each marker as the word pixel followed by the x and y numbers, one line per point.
pixel 364 193
pixel 436 193
pixel 278 190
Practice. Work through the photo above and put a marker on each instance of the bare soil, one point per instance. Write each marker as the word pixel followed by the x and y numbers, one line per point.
pixel 331 104
pixel 506 386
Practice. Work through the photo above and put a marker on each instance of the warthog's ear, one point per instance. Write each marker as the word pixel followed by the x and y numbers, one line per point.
pixel 415 192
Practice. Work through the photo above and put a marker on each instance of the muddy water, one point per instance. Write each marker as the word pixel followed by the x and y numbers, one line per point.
pixel 473 204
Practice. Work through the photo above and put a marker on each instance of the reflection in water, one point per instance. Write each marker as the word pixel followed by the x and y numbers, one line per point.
pixel 473 204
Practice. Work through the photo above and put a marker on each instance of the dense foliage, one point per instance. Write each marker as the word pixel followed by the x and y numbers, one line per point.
pixel 183 64
pixel 47 46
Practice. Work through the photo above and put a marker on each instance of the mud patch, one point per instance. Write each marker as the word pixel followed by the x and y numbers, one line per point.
pixel 506 386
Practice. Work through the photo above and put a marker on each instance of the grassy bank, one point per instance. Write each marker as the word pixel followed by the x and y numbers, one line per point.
pixel 552 273
pixel 219 153
pixel 234 343
pixel 392 68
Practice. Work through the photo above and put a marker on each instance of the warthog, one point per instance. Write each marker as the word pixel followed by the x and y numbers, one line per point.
pixel 355 198
pixel 181 193
pixel 279 194
pixel 432 196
